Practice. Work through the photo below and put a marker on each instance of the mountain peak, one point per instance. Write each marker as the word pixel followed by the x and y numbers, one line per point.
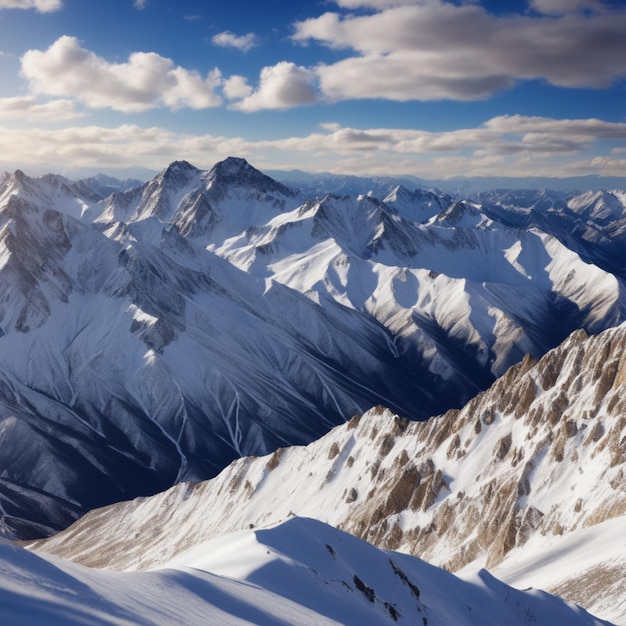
pixel 397 192
pixel 177 174
pixel 179 168
pixel 18 178
pixel 233 166
pixel 460 214
pixel 237 171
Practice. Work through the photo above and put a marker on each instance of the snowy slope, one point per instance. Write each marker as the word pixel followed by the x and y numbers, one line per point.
pixel 534 460
pixel 592 223
pixel 299 572
pixel 586 566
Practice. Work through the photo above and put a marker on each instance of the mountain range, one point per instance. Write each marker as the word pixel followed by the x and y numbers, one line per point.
pixel 155 333
pixel 463 186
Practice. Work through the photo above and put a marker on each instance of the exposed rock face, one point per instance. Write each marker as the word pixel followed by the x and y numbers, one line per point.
pixel 542 452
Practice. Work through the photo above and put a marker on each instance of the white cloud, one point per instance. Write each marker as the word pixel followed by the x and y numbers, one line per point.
pixel 140 4
pixel 517 134
pixel 240 42
pixel 436 50
pixel 190 90
pixel 561 7
pixel 378 4
pixel 146 81
pixel 25 108
pixel 281 86
pixel 236 87
pixel 43 6
pixel 502 146
pixel 98 147
pixel 505 145
pixel 403 76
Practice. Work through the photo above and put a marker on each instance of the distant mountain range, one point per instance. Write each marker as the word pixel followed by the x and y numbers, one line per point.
pixel 326 182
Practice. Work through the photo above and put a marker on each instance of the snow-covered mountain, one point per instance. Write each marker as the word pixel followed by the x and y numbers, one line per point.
pixel 466 295
pixel 591 223
pixel 528 480
pixel 128 365
pixel 155 335
pixel 299 572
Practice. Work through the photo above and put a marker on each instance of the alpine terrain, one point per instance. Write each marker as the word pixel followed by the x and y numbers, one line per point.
pixel 321 389
pixel 153 336
pixel 533 468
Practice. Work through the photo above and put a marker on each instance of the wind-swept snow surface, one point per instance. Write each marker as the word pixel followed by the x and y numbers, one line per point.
pixel 300 572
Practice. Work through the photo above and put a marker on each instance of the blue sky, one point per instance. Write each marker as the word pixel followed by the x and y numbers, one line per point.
pixel 433 88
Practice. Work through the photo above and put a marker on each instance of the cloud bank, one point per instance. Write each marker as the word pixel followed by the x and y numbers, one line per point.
pixel 503 146
pixel 25 108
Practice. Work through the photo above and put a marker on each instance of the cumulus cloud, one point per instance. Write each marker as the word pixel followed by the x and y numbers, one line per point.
pixel 146 81
pixel 500 135
pixel 25 108
pixel 43 6
pixel 399 77
pixel 240 42
pixel 236 87
pixel 101 148
pixel 281 86
pixel 517 134
pixel 502 146
pixel 433 49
